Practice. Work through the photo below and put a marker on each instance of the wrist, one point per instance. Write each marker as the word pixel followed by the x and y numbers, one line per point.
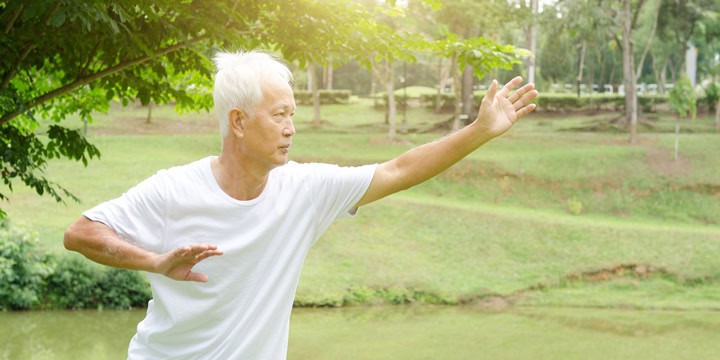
pixel 480 133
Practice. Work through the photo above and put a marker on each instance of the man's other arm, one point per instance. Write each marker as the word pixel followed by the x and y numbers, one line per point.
pixel 101 244
pixel 499 110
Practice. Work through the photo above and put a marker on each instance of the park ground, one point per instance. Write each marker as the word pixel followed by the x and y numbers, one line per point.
pixel 560 211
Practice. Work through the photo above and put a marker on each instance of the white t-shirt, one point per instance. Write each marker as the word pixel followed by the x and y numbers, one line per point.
pixel 243 311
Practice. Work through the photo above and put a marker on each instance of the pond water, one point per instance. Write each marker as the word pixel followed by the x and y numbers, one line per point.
pixel 403 333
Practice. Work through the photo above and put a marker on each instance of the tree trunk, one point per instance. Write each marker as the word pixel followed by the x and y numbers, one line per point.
pixel 580 66
pixel 309 77
pixel 315 94
pixel 628 73
pixel 468 101
pixel 533 42
pixel 640 64
pixel 441 87
pixel 659 73
pixel 392 108
pixel 373 87
pixel 457 89
pixel 149 114
pixel 329 79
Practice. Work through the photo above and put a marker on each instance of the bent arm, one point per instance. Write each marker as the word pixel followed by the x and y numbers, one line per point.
pixel 498 112
pixel 101 244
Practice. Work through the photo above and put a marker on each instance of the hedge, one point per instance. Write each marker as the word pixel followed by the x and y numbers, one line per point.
pixel 304 97
pixel 32 279
pixel 561 102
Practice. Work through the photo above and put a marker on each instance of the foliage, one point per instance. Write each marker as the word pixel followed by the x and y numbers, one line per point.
pixel 712 95
pixel 62 58
pixel 77 283
pixel 31 279
pixel 304 97
pixel 482 54
pixel 22 269
pixel 683 98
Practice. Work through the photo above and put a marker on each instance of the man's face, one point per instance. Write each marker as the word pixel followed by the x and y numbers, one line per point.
pixel 268 133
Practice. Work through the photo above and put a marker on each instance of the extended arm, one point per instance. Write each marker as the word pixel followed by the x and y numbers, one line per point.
pixel 498 112
pixel 101 244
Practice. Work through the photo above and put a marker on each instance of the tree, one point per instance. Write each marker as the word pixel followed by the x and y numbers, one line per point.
pixel 462 24
pixel 75 56
pixel 479 53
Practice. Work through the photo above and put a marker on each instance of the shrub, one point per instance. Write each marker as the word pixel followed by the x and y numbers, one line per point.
pixel 123 289
pixel 31 279
pixel 73 284
pixel 712 94
pixel 447 101
pixel 683 99
pixel 77 283
pixel 22 269
pixel 304 97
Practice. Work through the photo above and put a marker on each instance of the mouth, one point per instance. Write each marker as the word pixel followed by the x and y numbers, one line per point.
pixel 285 148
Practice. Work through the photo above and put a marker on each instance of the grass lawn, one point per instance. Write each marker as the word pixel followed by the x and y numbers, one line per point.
pixel 518 219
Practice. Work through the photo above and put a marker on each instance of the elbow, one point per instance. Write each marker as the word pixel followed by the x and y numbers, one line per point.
pixel 71 237
pixel 68 238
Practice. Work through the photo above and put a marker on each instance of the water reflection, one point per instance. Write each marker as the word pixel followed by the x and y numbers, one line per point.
pixel 403 333
pixel 67 334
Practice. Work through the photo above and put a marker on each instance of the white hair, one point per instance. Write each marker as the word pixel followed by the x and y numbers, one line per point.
pixel 239 80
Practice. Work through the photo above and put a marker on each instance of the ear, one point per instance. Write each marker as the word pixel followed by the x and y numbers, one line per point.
pixel 236 119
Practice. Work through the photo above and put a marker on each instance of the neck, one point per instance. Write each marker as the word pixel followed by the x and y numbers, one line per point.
pixel 236 177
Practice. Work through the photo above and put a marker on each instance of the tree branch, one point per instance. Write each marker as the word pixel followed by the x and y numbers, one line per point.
pixel 98 75
pixel 90 59
pixel 649 42
pixel 51 13
pixel 13 17
pixel 6 79
pixel 29 47
pixel 636 15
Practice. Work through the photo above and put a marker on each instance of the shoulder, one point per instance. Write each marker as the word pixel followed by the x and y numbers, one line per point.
pixel 323 173
pixel 307 170
pixel 191 171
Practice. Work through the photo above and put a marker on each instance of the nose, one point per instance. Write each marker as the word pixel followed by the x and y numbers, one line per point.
pixel 289 129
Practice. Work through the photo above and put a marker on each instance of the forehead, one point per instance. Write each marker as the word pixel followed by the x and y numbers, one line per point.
pixel 276 93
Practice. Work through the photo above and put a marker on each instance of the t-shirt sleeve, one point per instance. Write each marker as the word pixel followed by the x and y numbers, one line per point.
pixel 138 216
pixel 337 189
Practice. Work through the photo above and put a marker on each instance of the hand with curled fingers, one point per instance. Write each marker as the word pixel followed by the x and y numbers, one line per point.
pixel 499 110
pixel 177 264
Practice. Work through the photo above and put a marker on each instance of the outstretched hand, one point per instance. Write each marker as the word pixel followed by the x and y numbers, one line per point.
pixel 177 264
pixel 499 110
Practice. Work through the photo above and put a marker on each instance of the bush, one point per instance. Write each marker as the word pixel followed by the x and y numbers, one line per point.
pixel 73 285
pixel 22 269
pixel 560 102
pixel 79 284
pixel 683 99
pixel 31 279
pixel 304 97
pixel 712 94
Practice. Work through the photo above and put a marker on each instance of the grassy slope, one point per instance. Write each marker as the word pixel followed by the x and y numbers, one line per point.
pixel 499 223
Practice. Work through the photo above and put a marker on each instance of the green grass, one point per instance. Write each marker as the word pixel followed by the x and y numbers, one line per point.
pixel 525 210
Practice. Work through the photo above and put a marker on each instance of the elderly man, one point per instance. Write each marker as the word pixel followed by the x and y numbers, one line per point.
pixel 223 239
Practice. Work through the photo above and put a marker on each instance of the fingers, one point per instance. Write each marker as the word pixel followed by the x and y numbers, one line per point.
pixel 191 276
pixel 525 99
pixel 197 251
pixel 517 94
pixel 490 94
pixel 510 85
pixel 524 111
